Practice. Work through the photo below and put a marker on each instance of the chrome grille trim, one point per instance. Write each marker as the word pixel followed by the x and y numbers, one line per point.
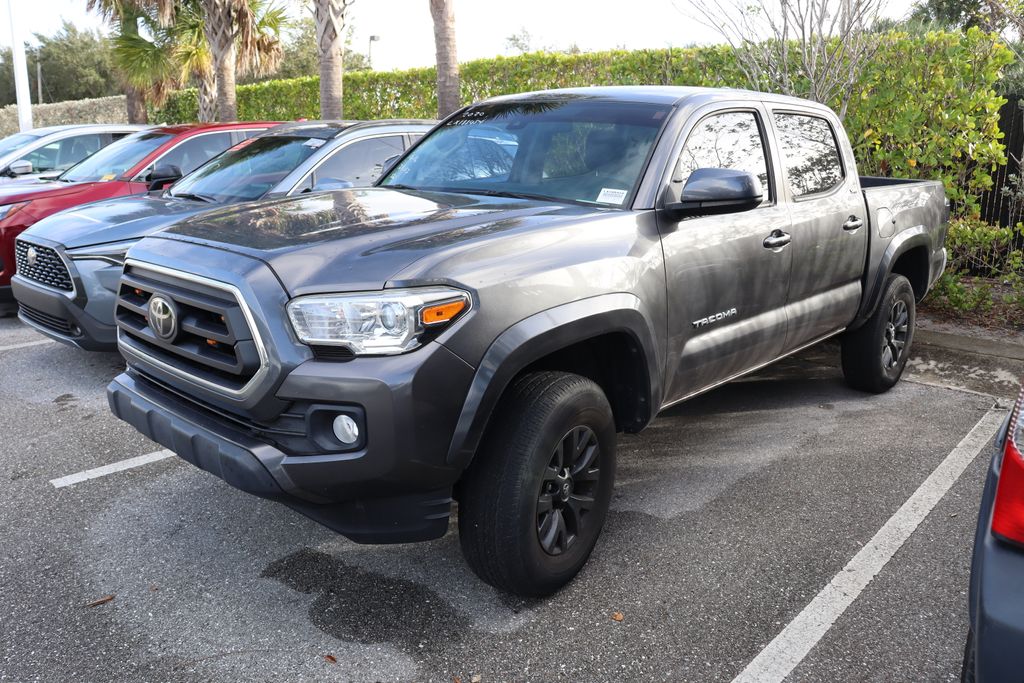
pixel 250 320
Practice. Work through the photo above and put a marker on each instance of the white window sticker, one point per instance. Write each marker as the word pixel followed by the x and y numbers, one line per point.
pixel 314 142
pixel 611 196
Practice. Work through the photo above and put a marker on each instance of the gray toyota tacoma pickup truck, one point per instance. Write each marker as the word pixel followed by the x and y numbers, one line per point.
pixel 538 273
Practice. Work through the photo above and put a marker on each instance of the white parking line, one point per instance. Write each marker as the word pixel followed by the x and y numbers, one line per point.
pixel 24 345
pixel 789 648
pixel 113 467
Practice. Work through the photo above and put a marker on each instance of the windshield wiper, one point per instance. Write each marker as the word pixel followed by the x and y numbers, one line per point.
pixel 193 196
pixel 515 195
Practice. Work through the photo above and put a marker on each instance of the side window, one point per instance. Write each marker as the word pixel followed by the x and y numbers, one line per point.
pixel 731 140
pixel 246 134
pixel 61 155
pixel 196 151
pixel 809 152
pixel 361 162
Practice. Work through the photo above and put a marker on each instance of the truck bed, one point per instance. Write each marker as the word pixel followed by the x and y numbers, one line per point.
pixel 898 210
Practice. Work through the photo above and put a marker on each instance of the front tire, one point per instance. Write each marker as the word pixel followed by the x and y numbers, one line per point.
pixel 534 500
pixel 875 354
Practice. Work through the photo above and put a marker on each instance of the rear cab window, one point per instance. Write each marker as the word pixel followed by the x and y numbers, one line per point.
pixel 810 154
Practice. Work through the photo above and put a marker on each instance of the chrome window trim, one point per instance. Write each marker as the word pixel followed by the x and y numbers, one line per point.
pixel 64 259
pixel 250 319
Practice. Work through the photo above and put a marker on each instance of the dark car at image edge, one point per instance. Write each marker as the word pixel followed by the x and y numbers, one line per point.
pixel 995 638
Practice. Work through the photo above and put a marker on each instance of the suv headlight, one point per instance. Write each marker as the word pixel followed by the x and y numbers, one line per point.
pixel 112 253
pixel 375 323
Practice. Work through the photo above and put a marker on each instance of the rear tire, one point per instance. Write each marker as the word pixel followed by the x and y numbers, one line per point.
pixel 875 354
pixel 534 500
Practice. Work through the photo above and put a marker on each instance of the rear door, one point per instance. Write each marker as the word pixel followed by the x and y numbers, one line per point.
pixel 829 226
pixel 726 288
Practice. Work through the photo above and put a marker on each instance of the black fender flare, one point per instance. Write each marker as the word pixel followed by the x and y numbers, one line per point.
pixel 540 335
pixel 902 243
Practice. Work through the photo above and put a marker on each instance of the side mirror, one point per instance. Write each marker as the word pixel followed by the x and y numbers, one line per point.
pixel 162 176
pixel 711 191
pixel 331 184
pixel 20 167
pixel 388 163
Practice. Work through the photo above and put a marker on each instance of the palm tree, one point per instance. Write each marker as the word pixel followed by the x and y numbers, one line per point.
pixel 329 16
pixel 448 97
pixel 125 15
pixel 178 52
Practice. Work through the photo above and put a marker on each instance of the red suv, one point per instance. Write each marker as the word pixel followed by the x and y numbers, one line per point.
pixel 148 160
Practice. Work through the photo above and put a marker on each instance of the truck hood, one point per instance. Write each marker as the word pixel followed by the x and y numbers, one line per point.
pixel 353 240
pixel 114 220
pixel 25 190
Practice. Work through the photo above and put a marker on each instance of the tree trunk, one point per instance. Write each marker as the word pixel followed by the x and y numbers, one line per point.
pixel 330 40
pixel 136 104
pixel 448 96
pixel 135 99
pixel 207 96
pixel 219 27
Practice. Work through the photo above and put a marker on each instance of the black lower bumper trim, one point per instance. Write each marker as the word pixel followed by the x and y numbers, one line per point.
pixel 240 460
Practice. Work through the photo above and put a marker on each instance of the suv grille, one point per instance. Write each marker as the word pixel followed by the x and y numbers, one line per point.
pixel 48 268
pixel 52 322
pixel 213 342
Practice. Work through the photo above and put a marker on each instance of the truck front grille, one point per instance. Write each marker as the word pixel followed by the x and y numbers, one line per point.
pixel 211 341
pixel 46 265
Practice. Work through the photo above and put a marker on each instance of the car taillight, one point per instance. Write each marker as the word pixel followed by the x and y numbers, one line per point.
pixel 1008 512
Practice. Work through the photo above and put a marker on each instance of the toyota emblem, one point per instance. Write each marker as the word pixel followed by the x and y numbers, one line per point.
pixel 163 318
pixel 32 256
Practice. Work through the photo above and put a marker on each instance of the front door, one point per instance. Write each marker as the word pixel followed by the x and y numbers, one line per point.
pixel 727 275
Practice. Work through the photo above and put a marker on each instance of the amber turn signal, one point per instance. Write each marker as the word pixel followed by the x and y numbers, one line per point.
pixel 442 313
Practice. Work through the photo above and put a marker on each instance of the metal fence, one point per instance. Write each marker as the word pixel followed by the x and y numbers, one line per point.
pixel 1001 205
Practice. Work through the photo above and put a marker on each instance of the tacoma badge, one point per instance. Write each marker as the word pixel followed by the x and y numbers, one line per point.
pixel 714 318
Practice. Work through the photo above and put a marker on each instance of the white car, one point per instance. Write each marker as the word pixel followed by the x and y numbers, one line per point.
pixel 54 149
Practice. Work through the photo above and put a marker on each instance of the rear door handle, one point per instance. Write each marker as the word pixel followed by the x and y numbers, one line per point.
pixel 853 223
pixel 777 240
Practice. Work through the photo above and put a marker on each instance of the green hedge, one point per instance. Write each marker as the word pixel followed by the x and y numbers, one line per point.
pixel 927 106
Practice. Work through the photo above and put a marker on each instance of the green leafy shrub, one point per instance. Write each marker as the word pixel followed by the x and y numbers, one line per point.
pixel 928 107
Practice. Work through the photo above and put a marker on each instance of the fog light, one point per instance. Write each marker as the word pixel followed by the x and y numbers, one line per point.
pixel 346 429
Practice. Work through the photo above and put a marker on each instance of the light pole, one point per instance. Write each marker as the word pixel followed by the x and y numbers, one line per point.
pixel 369 50
pixel 22 93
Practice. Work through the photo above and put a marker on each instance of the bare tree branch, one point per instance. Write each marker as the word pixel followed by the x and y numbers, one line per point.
pixel 809 48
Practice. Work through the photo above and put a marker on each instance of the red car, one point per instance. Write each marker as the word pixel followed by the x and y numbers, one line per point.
pixel 148 160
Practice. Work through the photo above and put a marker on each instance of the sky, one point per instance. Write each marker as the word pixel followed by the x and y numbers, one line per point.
pixel 482 26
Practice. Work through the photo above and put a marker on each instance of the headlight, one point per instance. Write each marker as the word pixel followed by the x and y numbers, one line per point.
pixel 112 253
pixel 375 323
pixel 10 209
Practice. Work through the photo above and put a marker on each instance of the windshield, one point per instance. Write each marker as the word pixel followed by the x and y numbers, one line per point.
pixel 116 158
pixel 577 150
pixel 248 170
pixel 13 143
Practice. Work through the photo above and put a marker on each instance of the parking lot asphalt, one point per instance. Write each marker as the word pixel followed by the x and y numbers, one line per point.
pixel 731 513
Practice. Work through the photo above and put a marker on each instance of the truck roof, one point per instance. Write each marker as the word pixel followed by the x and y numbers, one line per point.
pixel 657 94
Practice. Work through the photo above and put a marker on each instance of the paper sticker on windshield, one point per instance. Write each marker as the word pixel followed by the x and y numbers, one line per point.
pixel 109 176
pixel 611 196
pixel 313 142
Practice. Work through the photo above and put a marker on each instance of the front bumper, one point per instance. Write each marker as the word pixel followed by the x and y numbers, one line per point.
pixel 395 489
pixel 66 317
pixel 996 595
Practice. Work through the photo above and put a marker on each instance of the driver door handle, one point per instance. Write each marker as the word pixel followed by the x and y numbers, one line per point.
pixel 777 240
pixel 853 223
